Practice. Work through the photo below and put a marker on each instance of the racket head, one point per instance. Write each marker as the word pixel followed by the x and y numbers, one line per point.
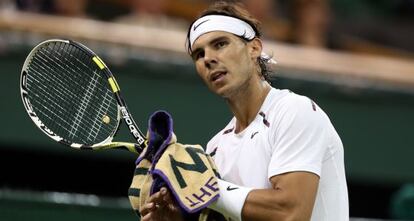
pixel 67 95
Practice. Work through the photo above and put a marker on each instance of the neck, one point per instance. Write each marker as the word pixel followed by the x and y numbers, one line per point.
pixel 246 104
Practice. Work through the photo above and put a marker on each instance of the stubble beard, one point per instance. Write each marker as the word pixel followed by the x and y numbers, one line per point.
pixel 238 92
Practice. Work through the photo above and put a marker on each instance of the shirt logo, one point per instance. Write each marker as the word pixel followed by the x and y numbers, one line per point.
pixel 254 134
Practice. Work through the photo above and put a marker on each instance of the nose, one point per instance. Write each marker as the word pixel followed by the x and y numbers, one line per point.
pixel 210 58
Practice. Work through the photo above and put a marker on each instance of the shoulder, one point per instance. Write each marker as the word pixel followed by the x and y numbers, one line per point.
pixel 296 111
pixel 295 101
pixel 285 102
pixel 303 107
pixel 278 99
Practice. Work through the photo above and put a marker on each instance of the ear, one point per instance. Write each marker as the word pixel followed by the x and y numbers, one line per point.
pixel 255 48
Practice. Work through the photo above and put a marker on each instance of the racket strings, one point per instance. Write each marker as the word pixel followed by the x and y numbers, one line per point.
pixel 103 108
pixel 97 125
pixel 54 82
pixel 46 81
pixel 88 97
pixel 69 101
pixel 76 123
pixel 81 109
pixel 48 95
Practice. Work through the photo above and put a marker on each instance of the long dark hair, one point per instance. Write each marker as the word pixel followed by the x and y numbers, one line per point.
pixel 237 10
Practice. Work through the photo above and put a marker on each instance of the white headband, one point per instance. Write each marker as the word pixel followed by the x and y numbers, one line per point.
pixel 229 24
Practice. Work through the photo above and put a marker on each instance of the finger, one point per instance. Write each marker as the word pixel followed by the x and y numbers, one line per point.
pixel 147 208
pixel 167 196
pixel 147 217
pixel 169 200
pixel 158 197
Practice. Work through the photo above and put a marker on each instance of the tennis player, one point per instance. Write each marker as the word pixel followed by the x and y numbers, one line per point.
pixel 279 157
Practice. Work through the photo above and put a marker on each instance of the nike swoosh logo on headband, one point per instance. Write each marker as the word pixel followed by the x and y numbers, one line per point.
pixel 196 26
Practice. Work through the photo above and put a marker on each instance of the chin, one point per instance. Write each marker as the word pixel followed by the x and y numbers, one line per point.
pixel 223 92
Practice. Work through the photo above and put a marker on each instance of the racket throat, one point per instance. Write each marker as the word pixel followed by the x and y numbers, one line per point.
pixel 133 129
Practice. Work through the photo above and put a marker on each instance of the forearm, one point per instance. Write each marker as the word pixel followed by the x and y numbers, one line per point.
pixel 291 197
pixel 267 204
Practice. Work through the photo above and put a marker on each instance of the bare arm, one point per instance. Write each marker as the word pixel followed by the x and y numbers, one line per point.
pixel 291 198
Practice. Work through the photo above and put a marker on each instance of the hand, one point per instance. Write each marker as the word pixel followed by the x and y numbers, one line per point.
pixel 161 206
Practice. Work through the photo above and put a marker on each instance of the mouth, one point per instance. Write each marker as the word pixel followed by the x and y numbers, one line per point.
pixel 217 75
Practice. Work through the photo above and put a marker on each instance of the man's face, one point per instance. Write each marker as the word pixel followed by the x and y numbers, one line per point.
pixel 225 62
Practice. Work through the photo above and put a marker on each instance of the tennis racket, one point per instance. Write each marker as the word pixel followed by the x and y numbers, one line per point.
pixel 72 96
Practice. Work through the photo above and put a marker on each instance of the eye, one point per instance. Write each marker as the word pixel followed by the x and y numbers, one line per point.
pixel 221 44
pixel 197 55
